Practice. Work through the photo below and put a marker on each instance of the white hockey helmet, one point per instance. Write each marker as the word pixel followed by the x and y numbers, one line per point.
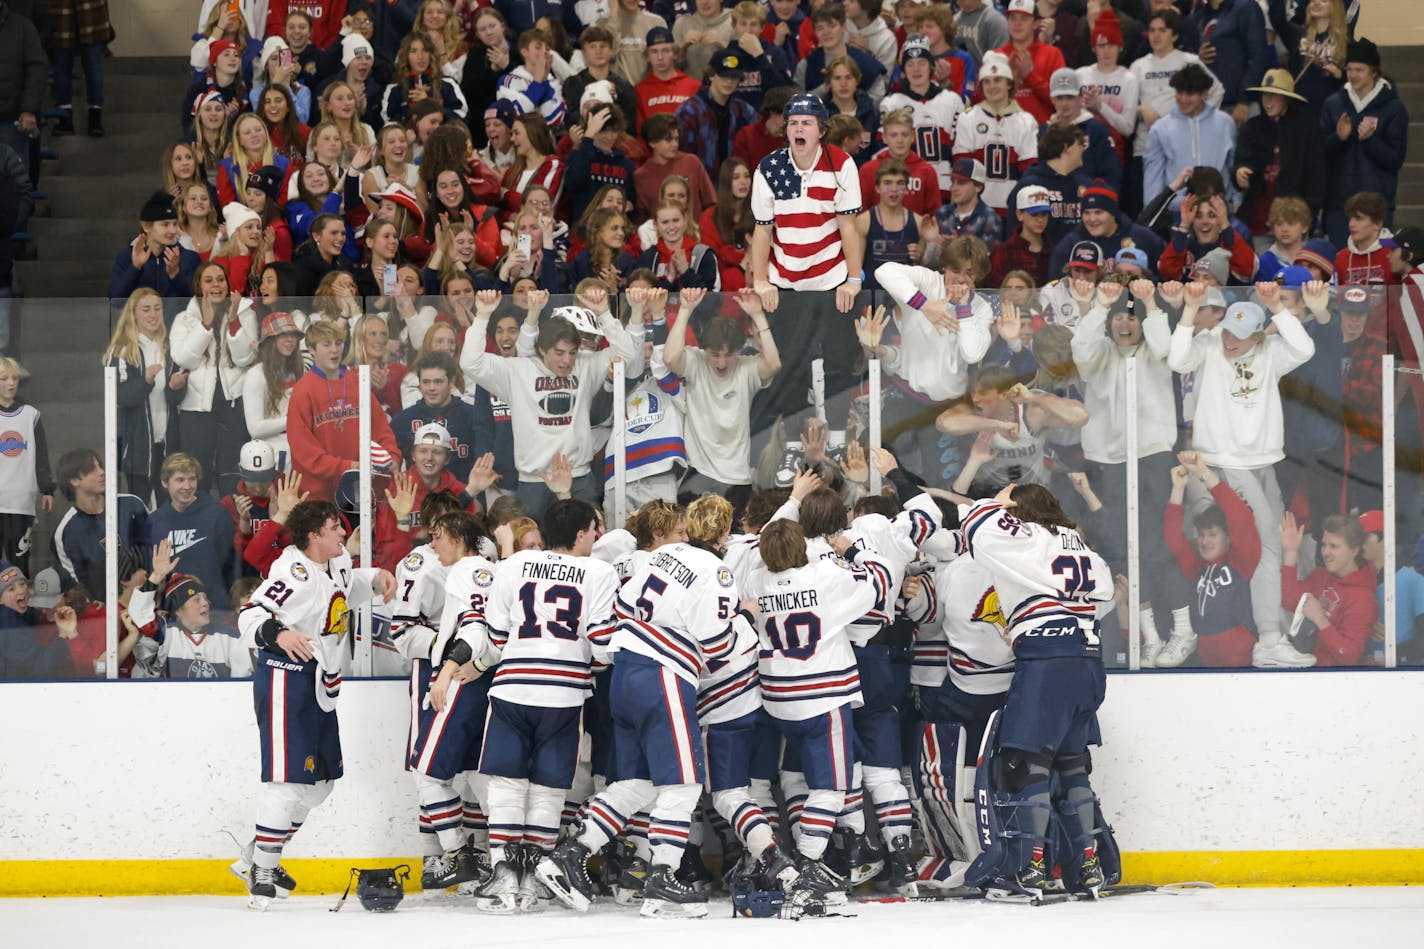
pixel 581 317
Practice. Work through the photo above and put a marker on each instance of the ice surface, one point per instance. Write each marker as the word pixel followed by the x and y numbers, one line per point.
pixel 1254 918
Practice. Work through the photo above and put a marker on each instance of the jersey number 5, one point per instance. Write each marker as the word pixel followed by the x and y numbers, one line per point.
pixel 568 606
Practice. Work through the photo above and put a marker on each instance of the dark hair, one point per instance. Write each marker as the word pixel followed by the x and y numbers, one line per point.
pixel 535 35
pixel 565 520
pixel 1212 517
pixel 660 126
pixel 308 518
pixel 506 509
pixel 723 333
pixel 871 8
pixel 1057 139
pixel 1035 504
pixel 1191 78
pixel 876 504
pixel 73 466
pixel 829 12
pixel 289 130
pixel 733 218
pixel 437 504
pixel 617 122
pixel 595 34
pixel 554 331
pixel 774 102
pixel 321 222
pixel 459 525
pixel 1170 18
pixel 1206 182
pixel 998 378
pixel 442 361
pixel 783 544
pixel 823 513
pixel 761 506
pixel 1369 204
pixel 286 277
pixel 1346 528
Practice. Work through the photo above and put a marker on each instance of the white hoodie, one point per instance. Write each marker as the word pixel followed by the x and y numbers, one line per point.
pixel 1102 365
pixel 932 362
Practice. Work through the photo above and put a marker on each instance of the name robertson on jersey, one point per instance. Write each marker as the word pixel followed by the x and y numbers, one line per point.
pixel 784 602
pixel 674 568
pixel 552 570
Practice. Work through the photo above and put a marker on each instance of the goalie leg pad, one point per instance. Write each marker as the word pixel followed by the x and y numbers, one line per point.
pixel 1012 807
pixel 941 760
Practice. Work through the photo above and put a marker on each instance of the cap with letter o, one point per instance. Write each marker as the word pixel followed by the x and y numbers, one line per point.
pixel 257 462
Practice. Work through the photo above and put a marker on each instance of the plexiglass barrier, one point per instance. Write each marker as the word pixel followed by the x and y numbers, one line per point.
pixel 1251 477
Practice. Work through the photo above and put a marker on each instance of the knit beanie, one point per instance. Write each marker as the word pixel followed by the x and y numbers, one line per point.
pixel 235 215
pixel 158 207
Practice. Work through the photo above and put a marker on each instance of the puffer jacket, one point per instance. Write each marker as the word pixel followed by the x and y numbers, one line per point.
pixel 213 356
pixel 23 65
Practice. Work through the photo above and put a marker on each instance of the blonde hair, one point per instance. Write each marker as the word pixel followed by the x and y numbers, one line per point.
pixel 211 220
pixel 457 380
pixel 353 136
pixel 124 344
pixel 179 463
pixel 325 331
pixel 689 226
pixel 708 519
pixel 9 367
pixel 1338 36
pixel 356 354
pixel 452 35
pixel 239 156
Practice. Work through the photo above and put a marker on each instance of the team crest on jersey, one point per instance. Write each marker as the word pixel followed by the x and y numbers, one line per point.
pixel 724 576
pixel 483 577
pixel 414 561
pixel 988 610
pixel 202 669
pixel 299 571
pixel 982 128
pixel 338 617
pixel 309 766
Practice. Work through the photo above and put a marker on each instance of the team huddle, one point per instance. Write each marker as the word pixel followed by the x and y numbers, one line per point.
pixel 618 695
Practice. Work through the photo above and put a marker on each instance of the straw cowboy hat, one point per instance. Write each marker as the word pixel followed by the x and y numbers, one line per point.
pixel 1278 81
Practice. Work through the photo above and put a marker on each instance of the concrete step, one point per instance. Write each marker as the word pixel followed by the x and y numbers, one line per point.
pixel 79 196
pixel 72 239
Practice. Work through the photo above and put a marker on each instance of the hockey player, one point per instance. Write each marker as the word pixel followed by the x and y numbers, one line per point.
pixel 299 618
pixel 998 132
pixel 447 747
pixel 675 615
pixel 1048 582
pixel 809 679
pixel 181 644
pixel 936 110
pixel 549 614
pixel 415 623
pixel 961 673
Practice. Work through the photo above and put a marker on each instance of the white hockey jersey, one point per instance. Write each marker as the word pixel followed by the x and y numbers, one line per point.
pixel 168 651
pixel 895 542
pixel 468 585
pixel 961 630
pixel 1006 144
pixel 807 666
pixel 315 600
pixel 420 600
pixel 1048 581
pixel 677 610
pixel 936 114
pixel 551 615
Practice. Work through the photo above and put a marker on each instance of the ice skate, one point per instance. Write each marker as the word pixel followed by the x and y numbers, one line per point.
pixel 500 894
pixel 864 859
pixel 565 873
pixel 451 868
pixel 900 869
pixel 776 867
pixel 471 887
pixel 1023 887
pixel 261 888
pixel 667 897
pixel 531 890
pixel 242 869
pixel 693 872
pixel 631 880
pixel 1090 876
pixel 817 886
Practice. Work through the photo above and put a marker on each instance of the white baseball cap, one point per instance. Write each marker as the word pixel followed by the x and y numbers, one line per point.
pixel 257 462
pixel 1035 200
pixel 432 433
pixel 1021 6
pixel 1244 319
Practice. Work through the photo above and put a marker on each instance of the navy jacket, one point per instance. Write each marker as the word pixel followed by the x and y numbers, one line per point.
pixel 1128 234
pixel 1369 165
pixel 124 279
pixel 1238 31
pixel 458 419
pixel 1064 189
pixel 21 655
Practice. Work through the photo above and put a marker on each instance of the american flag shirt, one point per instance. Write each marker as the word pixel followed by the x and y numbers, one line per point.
pixel 801 208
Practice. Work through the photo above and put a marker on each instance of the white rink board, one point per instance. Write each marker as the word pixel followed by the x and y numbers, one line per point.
pixel 1192 762
pixel 1223 919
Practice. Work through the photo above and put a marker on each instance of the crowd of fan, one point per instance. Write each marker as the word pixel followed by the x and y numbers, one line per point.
pixel 403 185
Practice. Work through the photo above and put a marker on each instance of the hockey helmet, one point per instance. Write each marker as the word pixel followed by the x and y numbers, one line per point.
pixel 806 104
pixel 380 890
pixel 758 904
pixel 581 317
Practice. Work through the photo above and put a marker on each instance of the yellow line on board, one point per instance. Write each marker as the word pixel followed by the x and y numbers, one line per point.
pixel 32 878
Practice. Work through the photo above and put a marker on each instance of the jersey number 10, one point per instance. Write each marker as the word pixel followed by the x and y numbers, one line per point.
pixel 796 636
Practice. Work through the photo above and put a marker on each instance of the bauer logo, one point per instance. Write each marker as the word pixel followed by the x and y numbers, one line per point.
pixel 12 444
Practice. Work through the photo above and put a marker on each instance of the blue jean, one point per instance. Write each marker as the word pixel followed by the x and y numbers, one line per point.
pixel 91 59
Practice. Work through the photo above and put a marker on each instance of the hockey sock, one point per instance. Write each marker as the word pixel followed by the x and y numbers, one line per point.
pixel 746 818
pixel 607 812
pixel 476 825
pixel 442 808
pixel 429 841
pixel 761 794
pixel 726 838
pixel 636 833
pixel 852 815
pixel 506 804
pixel 793 786
pixel 541 816
pixel 697 833
pixel 671 824
pixel 818 819
pixel 276 804
pixel 892 803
